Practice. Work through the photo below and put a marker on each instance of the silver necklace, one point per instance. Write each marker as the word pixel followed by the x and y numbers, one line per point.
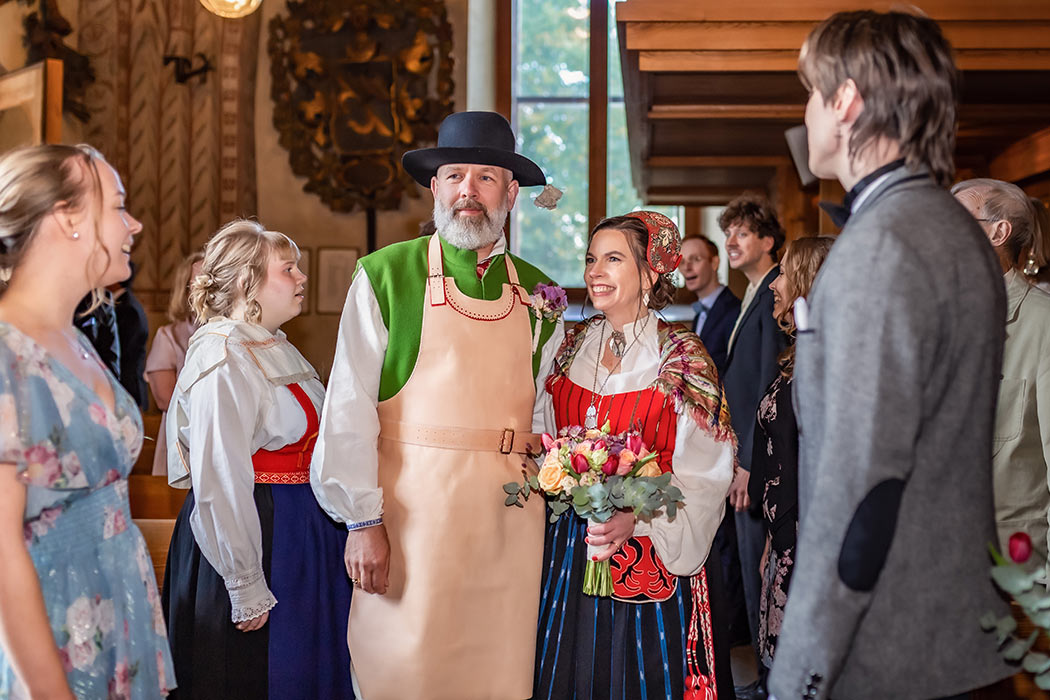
pixel 590 419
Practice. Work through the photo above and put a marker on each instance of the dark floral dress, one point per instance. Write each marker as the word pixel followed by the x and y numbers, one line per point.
pixel 775 460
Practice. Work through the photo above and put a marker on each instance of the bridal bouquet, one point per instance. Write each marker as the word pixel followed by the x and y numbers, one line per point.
pixel 596 473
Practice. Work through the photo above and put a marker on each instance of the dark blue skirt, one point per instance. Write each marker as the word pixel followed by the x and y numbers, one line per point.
pixel 590 648
pixel 301 652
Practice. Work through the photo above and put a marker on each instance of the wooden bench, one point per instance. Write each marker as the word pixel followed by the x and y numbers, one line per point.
pixel 157 533
pixel 152 498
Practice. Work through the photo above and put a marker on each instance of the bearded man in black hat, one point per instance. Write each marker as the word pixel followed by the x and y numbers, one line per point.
pixel 430 410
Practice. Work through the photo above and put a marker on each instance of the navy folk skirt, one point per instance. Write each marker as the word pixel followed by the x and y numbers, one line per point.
pixel 590 648
pixel 301 652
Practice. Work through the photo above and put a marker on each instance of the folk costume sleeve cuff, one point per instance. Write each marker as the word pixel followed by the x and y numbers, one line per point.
pixel 249 595
pixel 345 467
pixel 703 470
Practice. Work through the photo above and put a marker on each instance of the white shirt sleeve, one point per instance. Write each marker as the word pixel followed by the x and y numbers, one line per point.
pixel 703 469
pixel 224 520
pixel 344 472
pixel 543 411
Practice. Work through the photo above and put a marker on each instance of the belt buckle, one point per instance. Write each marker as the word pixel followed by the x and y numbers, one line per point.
pixel 506 441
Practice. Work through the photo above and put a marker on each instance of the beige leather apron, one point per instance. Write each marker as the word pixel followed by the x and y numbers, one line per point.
pixel 459 618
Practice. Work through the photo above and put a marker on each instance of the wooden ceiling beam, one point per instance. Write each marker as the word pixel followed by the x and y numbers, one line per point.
pixel 716 161
pixel 1029 156
pixel 734 36
pixel 787 60
pixel 792 113
pixel 796 112
pixel 817 10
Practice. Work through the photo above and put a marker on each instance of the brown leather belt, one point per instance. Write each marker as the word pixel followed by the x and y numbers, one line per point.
pixel 504 441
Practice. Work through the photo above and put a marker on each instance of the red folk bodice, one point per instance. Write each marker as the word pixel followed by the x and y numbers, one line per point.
pixel 637 572
pixel 289 464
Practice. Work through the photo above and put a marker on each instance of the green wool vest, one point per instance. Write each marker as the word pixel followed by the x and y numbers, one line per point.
pixel 398 275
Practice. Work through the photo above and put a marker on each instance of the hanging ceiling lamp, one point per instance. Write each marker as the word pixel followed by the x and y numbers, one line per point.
pixel 231 9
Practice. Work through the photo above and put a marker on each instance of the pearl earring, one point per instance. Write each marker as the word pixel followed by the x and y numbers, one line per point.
pixel 76 235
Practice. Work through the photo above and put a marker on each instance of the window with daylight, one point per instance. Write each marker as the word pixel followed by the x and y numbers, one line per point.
pixel 550 107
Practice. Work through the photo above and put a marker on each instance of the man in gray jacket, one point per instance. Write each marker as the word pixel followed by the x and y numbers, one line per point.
pixel 896 373
pixel 1021 446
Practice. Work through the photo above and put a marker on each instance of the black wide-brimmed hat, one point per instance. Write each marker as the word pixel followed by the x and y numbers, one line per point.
pixel 483 138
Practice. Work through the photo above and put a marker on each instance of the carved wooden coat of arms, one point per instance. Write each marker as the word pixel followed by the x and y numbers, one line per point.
pixel 356 83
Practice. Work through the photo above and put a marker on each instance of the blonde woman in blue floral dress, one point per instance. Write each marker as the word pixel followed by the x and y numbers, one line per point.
pixel 79 609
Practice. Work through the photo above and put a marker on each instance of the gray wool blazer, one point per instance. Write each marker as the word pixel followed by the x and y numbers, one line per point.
pixel 895 388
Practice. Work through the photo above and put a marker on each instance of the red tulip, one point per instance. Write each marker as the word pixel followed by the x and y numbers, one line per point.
pixel 610 465
pixel 599 445
pixel 1020 547
pixel 580 463
pixel 634 443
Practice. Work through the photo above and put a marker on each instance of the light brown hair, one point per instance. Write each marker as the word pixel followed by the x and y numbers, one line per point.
pixel 234 268
pixel 903 68
pixel 179 304
pixel 802 261
pixel 34 180
pixel 662 292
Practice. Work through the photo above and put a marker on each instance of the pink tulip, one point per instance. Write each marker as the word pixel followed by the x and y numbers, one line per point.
pixel 1020 545
pixel 610 465
pixel 580 463
pixel 599 445
pixel 547 440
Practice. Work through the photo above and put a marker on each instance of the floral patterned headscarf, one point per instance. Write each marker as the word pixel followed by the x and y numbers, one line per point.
pixel 664 251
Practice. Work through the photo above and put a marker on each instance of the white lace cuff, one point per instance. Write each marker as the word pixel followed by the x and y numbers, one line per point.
pixel 250 597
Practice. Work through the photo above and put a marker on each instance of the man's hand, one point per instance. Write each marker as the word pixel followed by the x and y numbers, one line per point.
pixel 738 490
pixel 367 558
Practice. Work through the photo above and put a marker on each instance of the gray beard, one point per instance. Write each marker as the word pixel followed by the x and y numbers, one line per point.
pixel 469 234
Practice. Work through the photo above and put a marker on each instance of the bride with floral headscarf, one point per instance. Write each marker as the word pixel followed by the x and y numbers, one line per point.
pixel 658 636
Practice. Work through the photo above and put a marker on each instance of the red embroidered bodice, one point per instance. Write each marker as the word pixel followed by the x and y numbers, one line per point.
pixel 637 572
pixel 289 464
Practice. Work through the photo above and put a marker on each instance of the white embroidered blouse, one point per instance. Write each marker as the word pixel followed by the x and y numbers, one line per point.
pixel 231 400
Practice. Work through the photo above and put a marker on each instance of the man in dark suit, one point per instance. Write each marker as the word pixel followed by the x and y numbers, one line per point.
pixel 717 308
pixel 754 236
pixel 898 355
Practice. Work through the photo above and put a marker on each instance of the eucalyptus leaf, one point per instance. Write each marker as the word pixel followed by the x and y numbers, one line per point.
pixel 1004 628
pixel 1043 680
pixel 1017 648
pixel 1034 600
pixel 1040 619
pixel 511 499
pixel 1013 579
pixel 534 483
pixel 988 621
pixel 1034 662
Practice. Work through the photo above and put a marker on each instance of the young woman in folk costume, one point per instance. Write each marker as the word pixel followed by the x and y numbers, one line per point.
pixel 658 635
pixel 255 591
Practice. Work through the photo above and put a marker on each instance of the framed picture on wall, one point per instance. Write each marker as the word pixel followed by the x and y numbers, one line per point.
pixel 304 267
pixel 335 269
pixel 31 105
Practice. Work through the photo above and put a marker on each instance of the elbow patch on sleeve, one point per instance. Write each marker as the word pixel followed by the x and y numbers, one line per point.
pixel 869 536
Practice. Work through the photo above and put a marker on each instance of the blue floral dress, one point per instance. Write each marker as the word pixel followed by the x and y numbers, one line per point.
pixel 74 455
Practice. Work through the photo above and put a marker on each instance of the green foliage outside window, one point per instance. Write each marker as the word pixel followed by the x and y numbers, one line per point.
pixel 551 89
